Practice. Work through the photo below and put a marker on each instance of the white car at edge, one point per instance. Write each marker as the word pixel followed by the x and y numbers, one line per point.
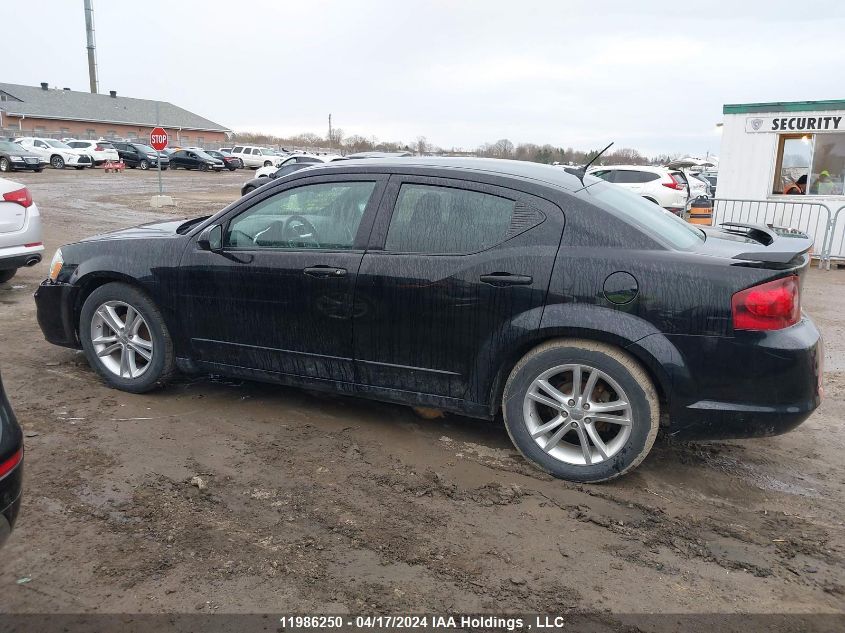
pixel 665 187
pixel 298 158
pixel 254 156
pixel 56 153
pixel 20 229
pixel 101 151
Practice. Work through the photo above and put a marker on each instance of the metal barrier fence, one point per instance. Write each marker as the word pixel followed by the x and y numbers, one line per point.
pixel 812 218
pixel 836 242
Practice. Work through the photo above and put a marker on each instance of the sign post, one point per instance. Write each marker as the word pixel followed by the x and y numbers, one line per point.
pixel 158 141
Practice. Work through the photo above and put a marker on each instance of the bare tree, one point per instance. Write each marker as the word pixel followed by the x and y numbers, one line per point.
pixel 421 145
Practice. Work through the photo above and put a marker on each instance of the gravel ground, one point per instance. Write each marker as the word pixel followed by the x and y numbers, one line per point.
pixel 329 504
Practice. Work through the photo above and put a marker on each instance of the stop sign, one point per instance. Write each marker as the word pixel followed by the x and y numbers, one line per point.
pixel 158 138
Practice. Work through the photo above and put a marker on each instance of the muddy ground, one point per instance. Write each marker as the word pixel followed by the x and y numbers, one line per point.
pixel 328 504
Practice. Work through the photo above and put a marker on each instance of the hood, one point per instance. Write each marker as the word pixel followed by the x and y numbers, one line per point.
pixel 153 230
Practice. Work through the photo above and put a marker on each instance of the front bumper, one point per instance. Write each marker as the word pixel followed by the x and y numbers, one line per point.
pixel 23 164
pixel 54 306
pixel 11 492
pixel 754 384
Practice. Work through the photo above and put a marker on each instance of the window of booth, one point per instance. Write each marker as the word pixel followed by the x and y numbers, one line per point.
pixel 810 164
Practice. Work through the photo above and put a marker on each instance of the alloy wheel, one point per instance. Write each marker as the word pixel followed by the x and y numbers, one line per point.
pixel 4 165
pixel 122 339
pixel 577 414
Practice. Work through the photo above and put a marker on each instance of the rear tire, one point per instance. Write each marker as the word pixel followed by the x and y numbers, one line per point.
pixel 6 275
pixel 561 438
pixel 248 190
pixel 106 322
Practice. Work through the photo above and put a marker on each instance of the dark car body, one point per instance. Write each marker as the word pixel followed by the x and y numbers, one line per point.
pixel 230 162
pixel 11 467
pixel 194 159
pixel 445 329
pixel 140 155
pixel 284 170
pixel 14 157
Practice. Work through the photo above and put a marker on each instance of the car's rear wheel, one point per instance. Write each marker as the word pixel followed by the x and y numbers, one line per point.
pixel 57 162
pixel 144 165
pixel 581 410
pixel 247 190
pixel 5 164
pixel 6 275
pixel 125 338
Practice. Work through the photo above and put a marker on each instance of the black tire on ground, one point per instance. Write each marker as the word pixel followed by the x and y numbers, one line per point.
pixel 627 372
pixel 5 164
pixel 203 167
pixel 57 162
pixel 267 163
pixel 248 190
pixel 6 275
pixel 39 170
pixel 172 166
pixel 163 364
pixel 144 165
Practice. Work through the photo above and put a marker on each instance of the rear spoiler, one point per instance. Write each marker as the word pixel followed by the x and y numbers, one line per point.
pixel 786 244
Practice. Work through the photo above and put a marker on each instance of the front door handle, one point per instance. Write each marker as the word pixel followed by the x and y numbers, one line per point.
pixel 506 279
pixel 324 271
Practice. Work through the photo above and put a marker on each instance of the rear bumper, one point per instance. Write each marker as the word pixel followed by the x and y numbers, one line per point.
pixel 54 305
pixel 754 384
pixel 11 487
pixel 20 256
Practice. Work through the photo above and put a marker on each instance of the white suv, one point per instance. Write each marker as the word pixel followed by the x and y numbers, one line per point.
pixel 101 151
pixel 20 229
pixel 255 157
pixel 56 153
pixel 666 187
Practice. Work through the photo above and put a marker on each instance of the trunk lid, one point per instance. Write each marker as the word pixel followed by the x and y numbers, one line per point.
pixel 758 245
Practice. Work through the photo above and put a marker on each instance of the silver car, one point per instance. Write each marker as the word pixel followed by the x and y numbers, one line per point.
pixel 20 229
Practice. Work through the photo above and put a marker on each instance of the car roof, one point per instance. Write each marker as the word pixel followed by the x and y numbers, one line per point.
pixel 546 174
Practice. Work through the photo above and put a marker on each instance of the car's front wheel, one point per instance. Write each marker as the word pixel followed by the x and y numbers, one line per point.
pixel 125 338
pixel 144 165
pixel 581 410
pixel 57 162
pixel 5 164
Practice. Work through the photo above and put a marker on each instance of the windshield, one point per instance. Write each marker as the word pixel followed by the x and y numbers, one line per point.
pixel 268 152
pixel 6 146
pixel 146 148
pixel 653 220
pixel 57 144
pixel 203 155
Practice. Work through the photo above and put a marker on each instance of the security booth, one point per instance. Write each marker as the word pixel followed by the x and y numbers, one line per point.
pixel 783 164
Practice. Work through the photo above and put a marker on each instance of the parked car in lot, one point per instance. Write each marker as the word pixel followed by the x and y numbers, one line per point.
pixel 255 157
pixel 20 229
pixel 139 155
pixel 194 159
pixel 311 159
pixel 56 153
pixel 712 177
pixel 100 151
pixel 664 187
pixel 476 286
pixel 14 157
pixel 11 467
pixel 230 162
pixel 255 183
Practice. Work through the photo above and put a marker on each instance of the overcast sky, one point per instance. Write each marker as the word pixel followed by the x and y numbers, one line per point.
pixel 649 75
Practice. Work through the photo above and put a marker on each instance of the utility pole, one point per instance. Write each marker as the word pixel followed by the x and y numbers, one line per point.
pixel 330 131
pixel 92 48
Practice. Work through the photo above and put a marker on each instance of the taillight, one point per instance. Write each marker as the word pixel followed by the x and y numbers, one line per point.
pixel 770 306
pixel 19 196
pixel 10 464
pixel 674 184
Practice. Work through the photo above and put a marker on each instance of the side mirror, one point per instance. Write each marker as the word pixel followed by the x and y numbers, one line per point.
pixel 211 239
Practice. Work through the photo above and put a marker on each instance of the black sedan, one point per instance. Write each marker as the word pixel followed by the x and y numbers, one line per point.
pixel 284 170
pixel 194 159
pixel 14 157
pixel 230 162
pixel 585 315
pixel 11 467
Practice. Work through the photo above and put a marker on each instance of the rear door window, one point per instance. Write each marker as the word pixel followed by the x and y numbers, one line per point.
pixel 238 149
pixel 446 220
pixel 631 176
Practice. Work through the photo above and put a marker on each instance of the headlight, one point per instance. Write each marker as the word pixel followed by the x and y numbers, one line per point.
pixel 17 158
pixel 56 265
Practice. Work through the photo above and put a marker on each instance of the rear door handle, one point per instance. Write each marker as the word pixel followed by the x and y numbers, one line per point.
pixel 324 271
pixel 506 279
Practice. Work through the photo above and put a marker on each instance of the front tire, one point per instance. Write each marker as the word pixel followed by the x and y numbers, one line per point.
pixel 5 165
pixel 581 410
pixel 203 167
pixel 144 165
pixel 6 275
pixel 125 338
pixel 57 162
